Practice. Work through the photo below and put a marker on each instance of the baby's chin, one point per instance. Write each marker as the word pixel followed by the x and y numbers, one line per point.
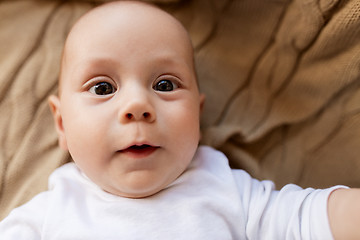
pixel 136 189
pixel 138 193
pixel 136 184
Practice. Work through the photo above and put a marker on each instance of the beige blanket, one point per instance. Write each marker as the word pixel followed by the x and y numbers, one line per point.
pixel 282 80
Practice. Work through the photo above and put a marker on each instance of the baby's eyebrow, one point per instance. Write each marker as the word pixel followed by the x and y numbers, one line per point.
pixel 165 59
pixel 92 65
pixel 173 59
pixel 99 60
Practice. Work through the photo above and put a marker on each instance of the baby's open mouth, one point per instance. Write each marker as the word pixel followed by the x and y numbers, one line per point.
pixel 140 150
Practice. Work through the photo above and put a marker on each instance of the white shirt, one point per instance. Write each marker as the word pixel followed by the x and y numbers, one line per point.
pixel 208 201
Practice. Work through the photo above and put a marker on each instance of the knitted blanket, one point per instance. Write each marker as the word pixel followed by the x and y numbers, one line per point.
pixel 281 78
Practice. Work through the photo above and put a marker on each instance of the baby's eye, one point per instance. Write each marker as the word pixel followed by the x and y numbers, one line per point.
pixel 165 85
pixel 102 88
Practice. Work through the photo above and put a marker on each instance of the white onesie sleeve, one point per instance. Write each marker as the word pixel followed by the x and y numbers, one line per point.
pixel 25 222
pixel 291 213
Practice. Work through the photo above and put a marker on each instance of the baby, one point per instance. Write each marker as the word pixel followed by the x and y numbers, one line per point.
pixel 128 112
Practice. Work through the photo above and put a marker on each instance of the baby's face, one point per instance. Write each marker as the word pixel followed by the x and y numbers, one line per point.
pixel 129 106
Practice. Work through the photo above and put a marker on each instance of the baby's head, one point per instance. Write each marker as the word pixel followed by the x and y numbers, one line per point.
pixel 129 106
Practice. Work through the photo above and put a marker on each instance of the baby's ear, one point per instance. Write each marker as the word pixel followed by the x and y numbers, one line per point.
pixel 54 103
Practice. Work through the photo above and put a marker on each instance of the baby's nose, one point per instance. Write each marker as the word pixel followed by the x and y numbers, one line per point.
pixel 137 109
pixel 146 116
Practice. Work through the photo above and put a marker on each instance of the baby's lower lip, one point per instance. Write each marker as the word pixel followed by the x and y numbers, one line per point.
pixel 139 151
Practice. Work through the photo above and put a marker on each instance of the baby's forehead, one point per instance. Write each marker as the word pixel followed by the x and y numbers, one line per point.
pixel 127 19
pixel 130 15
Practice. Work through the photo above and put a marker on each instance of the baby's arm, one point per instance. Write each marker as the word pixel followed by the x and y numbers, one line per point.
pixel 344 213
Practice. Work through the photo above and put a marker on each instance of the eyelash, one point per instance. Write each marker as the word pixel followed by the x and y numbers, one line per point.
pixel 91 85
pixel 105 88
pixel 175 84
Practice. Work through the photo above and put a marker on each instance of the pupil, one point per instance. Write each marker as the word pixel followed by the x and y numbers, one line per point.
pixel 103 89
pixel 165 85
